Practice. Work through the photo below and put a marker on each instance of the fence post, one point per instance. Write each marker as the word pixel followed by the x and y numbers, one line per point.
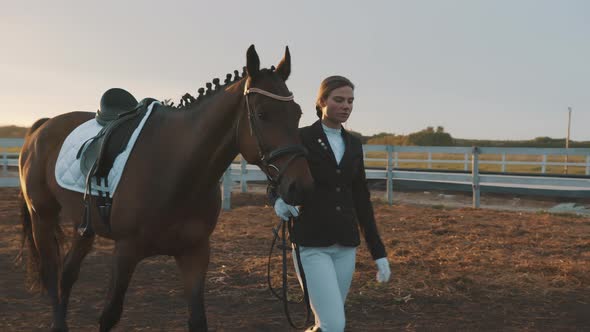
pixel 588 164
pixel 5 162
pixel 226 186
pixel 504 162
pixel 475 176
pixel 395 159
pixel 429 160
pixel 389 175
pixel 243 172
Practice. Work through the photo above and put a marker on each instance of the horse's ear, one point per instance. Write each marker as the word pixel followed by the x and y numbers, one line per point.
pixel 284 67
pixel 252 62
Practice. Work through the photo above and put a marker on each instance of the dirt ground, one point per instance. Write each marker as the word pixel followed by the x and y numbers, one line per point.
pixel 453 269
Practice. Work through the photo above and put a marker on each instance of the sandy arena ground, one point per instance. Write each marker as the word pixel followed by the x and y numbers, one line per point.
pixel 453 269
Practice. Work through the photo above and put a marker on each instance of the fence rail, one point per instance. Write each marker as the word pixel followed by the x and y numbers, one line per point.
pixel 471 160
pixel 9 158
pixel 388 168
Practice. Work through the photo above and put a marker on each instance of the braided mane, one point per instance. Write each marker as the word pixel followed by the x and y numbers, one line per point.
pixel 187 100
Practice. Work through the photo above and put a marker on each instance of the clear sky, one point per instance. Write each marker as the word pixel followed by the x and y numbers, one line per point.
pixel 501 69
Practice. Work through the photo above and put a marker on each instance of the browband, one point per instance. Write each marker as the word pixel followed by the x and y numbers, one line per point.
pixel 248 90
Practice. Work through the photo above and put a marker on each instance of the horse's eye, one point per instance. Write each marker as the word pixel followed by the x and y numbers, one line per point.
pixel 261 116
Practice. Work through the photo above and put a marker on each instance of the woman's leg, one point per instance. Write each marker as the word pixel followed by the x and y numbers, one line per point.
pixel 344 259
pixel 322 285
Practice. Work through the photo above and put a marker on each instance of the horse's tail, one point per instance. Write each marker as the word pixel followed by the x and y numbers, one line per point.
pixel 33 262
pixel 35 278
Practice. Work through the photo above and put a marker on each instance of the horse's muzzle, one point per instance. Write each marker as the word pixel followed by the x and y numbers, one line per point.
pixel 296 188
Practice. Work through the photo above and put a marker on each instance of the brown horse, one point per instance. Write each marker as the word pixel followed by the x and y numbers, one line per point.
pixel 168 200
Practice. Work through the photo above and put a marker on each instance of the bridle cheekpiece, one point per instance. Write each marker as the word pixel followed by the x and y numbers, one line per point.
pixel 267 158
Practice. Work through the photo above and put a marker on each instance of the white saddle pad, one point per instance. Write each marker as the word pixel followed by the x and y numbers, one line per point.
pixel 67 168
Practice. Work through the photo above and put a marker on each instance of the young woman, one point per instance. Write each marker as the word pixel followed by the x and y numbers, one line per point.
pixel 327 227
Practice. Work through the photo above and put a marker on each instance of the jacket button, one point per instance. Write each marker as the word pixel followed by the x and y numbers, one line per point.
pixel 338 189
pixel 338 208
pixel 338 171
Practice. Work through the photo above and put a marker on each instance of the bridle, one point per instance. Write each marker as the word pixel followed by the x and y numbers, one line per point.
pixel 267 158
pixel 266 164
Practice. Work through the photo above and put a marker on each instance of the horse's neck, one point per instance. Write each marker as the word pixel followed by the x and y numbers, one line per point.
pixel 210 136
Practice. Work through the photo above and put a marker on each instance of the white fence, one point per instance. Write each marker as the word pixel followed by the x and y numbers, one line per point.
pixel 9 162
pixel 471 160
pixel 9 158
pixel 391 160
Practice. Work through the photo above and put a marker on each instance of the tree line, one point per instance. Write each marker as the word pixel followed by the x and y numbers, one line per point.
pixel 430 136
pixel 12 132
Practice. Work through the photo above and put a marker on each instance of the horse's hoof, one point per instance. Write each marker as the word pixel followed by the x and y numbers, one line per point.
pixel 59 329
pixel 200 326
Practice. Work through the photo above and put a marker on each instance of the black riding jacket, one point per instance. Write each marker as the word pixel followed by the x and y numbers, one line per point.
pixel 340 202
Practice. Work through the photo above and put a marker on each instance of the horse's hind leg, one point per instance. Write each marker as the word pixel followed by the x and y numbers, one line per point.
pixel 80 248
pixel 125 260
pixel 193 266
pixel 45 228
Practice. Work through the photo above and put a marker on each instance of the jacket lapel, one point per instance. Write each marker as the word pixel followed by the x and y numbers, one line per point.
pixel 320 141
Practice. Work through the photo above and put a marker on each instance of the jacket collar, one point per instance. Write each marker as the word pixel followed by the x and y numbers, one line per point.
pixel 319 137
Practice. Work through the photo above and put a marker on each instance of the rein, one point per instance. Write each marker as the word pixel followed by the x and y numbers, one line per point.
pixel 283 225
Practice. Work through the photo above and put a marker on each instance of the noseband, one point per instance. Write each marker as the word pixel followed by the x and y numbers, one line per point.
pixel 267 158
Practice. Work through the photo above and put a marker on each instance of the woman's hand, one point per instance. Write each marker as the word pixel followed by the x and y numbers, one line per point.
pixel 284 210
pixel 383 271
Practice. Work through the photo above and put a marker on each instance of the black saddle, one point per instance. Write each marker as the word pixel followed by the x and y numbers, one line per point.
pixel 115 103
pixel 119 114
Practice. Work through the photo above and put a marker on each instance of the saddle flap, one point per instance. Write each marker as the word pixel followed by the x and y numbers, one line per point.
pixel 98 156
pixel 90 155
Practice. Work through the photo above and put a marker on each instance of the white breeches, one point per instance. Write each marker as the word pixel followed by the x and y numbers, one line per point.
pixel 328 273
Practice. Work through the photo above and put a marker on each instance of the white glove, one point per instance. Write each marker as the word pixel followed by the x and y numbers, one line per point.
pixel 284 210
pixel 383 271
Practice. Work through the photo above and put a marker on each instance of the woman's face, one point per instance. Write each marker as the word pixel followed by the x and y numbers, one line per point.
pixel 336 108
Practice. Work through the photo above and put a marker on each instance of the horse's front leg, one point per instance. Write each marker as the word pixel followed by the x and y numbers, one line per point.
pixel 193 267
pixel 126 257
pixel 71 269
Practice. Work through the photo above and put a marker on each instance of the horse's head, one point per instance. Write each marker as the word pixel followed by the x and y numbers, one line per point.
pixel 268 128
